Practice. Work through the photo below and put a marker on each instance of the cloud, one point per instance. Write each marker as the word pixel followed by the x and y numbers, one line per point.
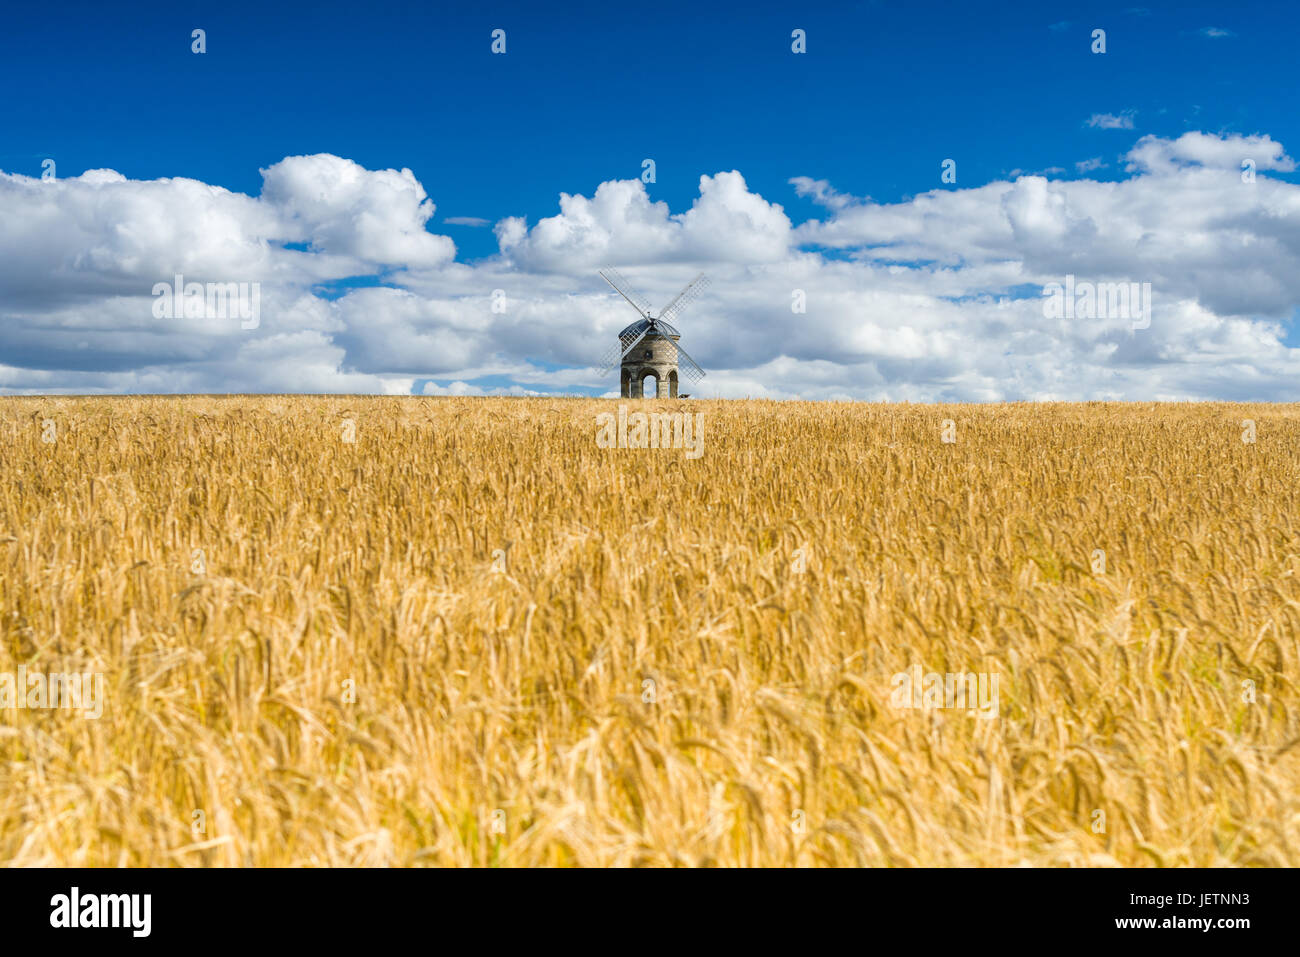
pixel 1111 121
pixel 1215 33
pixel 937 297
pixel 620 224
pixel 1154 154
pixel 377 217
pixel 821 192
pixel 459 388
pixel 466 221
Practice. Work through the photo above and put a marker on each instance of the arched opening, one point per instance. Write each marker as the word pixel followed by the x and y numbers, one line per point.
pixel 672 384
pixel 650 385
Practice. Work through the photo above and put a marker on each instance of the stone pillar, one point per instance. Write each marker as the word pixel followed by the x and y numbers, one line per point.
pixel 654 355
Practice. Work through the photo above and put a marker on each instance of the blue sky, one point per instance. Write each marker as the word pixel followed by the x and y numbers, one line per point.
pixel 885 93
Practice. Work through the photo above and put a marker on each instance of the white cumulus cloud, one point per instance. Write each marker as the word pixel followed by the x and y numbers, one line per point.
pixel 936 297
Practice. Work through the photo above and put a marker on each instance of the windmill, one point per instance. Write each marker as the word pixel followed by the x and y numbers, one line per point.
pixel 649 346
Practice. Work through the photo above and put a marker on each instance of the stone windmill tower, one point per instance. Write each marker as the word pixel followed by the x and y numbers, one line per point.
pixel 648 347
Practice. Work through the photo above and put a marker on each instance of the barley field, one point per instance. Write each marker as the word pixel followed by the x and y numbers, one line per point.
pixel 340 631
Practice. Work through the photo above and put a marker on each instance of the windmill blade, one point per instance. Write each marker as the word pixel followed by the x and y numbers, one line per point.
pixel 624 289
pixel 685 297
pixel 616 352
pixel 688 366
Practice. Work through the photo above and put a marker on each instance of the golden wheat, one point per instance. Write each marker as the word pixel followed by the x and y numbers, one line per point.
pixel 469 636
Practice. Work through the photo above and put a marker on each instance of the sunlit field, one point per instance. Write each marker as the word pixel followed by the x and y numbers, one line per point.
pixel 399 631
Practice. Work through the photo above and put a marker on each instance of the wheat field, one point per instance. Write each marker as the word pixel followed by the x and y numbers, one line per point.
pixel 340 631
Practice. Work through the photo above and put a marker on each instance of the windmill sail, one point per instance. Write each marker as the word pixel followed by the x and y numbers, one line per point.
pixel 624 289
pixel 684 298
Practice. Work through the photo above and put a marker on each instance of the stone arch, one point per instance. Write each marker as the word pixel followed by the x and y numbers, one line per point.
pixel 650 374
pixel 672 383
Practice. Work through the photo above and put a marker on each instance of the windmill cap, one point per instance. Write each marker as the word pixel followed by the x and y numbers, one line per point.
pixel 661 329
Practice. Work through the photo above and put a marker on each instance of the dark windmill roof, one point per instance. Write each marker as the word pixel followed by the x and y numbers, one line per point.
pixel 661 329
